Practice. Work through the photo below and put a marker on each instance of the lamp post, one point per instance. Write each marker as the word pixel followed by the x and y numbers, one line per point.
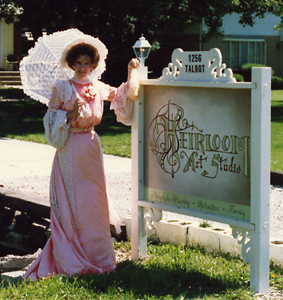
pixel 142 48
pixel 138 238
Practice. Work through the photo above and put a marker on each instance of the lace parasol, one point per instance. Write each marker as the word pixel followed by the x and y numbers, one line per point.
pixel 46 62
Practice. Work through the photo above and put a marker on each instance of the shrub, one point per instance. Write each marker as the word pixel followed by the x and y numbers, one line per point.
pixel 246 71
pixel 239 77
pixel 11 93
pixel 276 83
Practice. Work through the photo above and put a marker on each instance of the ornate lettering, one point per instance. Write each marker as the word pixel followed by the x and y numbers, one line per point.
pixel 203 205
pixel 172 138
pixel 235 211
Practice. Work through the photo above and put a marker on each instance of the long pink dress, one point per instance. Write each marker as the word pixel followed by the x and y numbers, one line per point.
pixel 80 241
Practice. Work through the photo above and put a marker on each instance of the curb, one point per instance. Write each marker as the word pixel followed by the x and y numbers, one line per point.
pixel 211 239
pixel 276 178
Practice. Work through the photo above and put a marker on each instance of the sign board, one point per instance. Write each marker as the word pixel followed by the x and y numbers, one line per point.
pixel 197 154
pixel 201 147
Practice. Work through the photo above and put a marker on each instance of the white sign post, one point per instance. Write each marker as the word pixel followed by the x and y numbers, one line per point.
pixel 201 147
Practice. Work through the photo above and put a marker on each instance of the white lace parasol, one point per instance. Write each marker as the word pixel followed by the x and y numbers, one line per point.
pixel 45 62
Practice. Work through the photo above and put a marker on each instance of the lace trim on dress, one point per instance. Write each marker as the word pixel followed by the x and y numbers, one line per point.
pixel 53 198
pixel 65 163
pixel 79 81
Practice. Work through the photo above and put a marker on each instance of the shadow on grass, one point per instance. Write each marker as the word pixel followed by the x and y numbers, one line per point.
pixel 142 282
pixel 109 124
pixel 19 117
pixel 277 113
pixel 11 93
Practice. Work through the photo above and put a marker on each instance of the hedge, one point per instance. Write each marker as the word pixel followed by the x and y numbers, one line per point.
pixel 239 77
pixel 246 72
pixel 276 83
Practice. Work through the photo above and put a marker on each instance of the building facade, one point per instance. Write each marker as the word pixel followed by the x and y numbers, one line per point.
pixel 10 43
pixel 260 43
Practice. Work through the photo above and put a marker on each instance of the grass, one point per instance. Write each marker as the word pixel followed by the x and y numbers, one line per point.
pixel 169 272
pixel 277 130
pixel 204 224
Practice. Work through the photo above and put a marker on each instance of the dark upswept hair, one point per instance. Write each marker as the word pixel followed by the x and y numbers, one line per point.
pixel 82 49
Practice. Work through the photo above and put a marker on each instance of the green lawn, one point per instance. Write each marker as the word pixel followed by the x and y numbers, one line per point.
pixel 277 131
pixel 169 272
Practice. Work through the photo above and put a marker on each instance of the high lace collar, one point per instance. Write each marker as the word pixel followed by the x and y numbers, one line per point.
pixel 79 81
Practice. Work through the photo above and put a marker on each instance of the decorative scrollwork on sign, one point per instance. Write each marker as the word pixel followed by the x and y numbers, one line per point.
pixel 244 239
pixel 217 69
pixel 163 137
pixel 152 216
pixel 197 66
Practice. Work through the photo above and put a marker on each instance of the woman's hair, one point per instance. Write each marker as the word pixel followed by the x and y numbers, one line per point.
pixel 82 49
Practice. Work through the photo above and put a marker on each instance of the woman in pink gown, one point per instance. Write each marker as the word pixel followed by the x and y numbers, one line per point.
pixel 80 241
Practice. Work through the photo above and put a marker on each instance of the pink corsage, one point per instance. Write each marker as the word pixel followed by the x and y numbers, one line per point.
pixel 88 94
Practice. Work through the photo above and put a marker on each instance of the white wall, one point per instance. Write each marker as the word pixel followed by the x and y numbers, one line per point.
pixel 262 27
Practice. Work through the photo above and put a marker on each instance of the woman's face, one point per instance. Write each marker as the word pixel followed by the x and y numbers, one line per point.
pixel 82 67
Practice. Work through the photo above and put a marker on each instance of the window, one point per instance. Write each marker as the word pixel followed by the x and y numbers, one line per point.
pixel 237 52
pixel 271 8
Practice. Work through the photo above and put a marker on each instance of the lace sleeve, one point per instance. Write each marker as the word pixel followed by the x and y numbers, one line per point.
pixel 123 101
pixel 56 128
pixel 64 90
pixel 55 121
pixel 122 105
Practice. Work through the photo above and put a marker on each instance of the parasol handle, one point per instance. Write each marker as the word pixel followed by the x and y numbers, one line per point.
pixel 78 96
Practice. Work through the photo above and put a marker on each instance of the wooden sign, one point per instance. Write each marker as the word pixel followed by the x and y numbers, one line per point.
pixel 197 154
pixel 201 147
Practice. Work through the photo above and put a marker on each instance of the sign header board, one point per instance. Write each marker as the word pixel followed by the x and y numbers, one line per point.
pixel 197 66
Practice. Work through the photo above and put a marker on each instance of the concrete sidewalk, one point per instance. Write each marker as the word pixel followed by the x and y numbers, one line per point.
pixel 21 159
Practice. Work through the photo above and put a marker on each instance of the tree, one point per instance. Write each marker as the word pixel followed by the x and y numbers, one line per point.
pixel 9 11
pixel 278 5
pixel 120 23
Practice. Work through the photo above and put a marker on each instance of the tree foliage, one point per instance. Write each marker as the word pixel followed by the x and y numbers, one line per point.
pixel 278 5
pixel 120 23
pixel 9 11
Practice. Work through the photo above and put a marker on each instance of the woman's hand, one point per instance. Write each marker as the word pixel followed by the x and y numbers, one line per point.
pixel 133 64
pixel 76 111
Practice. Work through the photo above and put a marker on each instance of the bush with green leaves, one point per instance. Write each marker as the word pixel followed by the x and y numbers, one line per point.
pixel 246 70
pixel 276 83
pixel 246 74
pixel 239 77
